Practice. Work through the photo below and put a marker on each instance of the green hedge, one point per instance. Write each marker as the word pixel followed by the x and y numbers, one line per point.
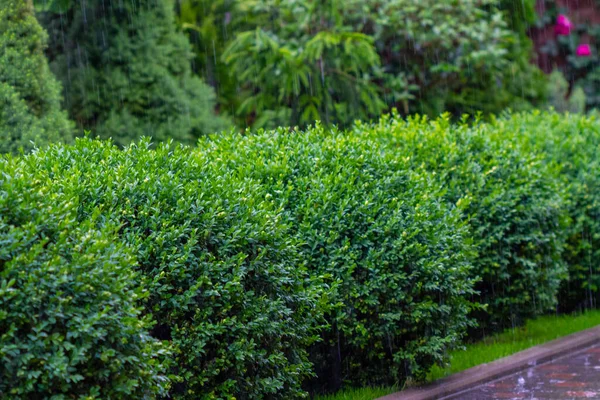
pixel 396 257
pixel 272 264
pixel 510 199
pixel 226 289
pixel 570 145
pixel 70 324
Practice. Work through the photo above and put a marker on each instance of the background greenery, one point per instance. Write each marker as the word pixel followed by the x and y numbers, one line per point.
pixel 300 60
pixel 30 109
pixel 315 251
pixel 128 70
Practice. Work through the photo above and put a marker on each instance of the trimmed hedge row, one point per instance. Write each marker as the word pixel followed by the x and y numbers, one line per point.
pixel 269 265
pixel 70 322
pixel 226 289
pixel 570 145
pixel 510 200
pixel 395 256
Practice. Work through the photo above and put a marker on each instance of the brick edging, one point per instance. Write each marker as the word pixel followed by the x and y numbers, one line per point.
pixel 504 366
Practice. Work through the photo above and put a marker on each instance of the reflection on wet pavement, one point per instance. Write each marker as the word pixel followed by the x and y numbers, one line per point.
pixel 575 376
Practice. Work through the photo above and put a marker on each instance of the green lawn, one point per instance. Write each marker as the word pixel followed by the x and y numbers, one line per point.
pixel 492 348
pixel 359 394
pixel 512 341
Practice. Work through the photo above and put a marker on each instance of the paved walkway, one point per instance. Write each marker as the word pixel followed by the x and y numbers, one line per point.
pixel 575 376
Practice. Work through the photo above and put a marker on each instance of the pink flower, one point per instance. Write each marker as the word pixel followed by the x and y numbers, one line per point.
pixel 583 50
pixel 563 25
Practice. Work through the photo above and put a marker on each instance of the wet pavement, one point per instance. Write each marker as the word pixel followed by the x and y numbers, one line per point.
pixel 576 376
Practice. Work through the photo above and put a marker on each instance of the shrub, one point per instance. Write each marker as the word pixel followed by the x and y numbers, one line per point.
pixel 30 112
pixel 395 256
pixel 508 197
pixel 127 77
pixel 560 99
pixel 226 288
pixel 459 56
pixel 340 60
pixel 70 325
pixel 568 39
pixel 303 62
pixel 570 146
pixel 382 241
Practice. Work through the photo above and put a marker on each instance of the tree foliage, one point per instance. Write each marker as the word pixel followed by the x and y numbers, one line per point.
pixel 210 25
pixel 30 109
pixel 303 63
pixel 336 61
pixel 458 56
pixel 126 71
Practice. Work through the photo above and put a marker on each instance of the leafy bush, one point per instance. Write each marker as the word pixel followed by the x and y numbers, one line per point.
pixel 568 37
pixel 510 200
pixel 570 145
pixel 127 77
pixel 457 56
pixel 303 63
pixel 395 256
pixel 70 324
pixel 30 112
pixel 226 288
pixel 560 99
pixel 381 241
pixel 341 60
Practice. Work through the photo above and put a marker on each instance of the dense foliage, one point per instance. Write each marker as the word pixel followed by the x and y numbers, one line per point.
pixel 210 26
pixel 30 113
pixel 70 324
pixel 396 257
pixel 302 63
pixel 126 72
pixel 282 263
pixel 226 290
pixel 459 56
pixel 291 62
pixel 571 145
pixel 511 202
pixel 295 61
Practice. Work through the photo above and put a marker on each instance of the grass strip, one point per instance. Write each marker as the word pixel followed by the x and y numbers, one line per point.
pixel 533 333
pixel 368 393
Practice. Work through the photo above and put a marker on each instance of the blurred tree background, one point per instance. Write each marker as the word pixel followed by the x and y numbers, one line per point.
pixel 181 69
pixel 30 111
pixel 566 34
pixel 290 62
pixel 126 69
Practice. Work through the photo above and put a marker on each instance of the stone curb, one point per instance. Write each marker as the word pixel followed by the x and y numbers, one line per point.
pixel 477 375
